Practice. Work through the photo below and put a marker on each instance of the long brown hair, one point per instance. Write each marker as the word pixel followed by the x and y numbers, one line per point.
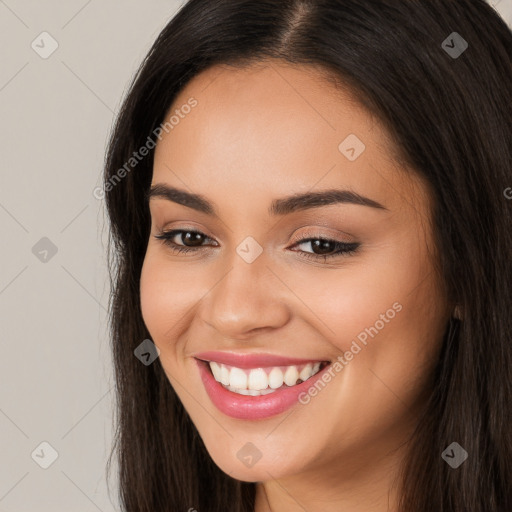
pixel 451 117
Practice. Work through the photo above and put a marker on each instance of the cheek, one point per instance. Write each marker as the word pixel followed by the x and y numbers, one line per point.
pixel 393 288
pixel 165 295
pixel 154 294
pixel 348 301
pixel 386 313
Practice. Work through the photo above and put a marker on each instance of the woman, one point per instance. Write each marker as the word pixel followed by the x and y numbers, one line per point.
pixel 311 242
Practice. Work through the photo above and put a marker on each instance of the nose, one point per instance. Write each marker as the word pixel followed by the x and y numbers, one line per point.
pixel 247 299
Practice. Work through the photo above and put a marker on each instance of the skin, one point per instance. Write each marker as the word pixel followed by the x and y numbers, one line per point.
pixel 260 133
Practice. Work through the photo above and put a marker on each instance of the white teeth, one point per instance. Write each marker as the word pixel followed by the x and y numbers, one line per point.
pixel 260 381
pixel 238 378
pixel 257 379
pixel 306 372
pixel 215 370
pixel 224 375
pixel 252 392
pixel 291 375
pixel 275 378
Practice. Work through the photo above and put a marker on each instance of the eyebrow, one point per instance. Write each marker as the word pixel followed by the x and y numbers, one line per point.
pixel 282 206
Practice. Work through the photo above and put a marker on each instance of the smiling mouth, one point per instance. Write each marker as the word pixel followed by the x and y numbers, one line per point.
pixel 262 381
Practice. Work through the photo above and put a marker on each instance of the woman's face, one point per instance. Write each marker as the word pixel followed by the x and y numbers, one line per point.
pixel 263 275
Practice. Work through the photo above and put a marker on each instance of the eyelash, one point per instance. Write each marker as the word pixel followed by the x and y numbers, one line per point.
pixel 340 248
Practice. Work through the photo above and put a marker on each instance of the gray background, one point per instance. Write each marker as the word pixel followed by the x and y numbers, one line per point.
pixel 56 112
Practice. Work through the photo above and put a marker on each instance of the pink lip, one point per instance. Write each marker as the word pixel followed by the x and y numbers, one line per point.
pixel 253 407
pixel 251 360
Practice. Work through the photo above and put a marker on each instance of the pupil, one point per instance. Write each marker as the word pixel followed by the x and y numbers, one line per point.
pixel 325 246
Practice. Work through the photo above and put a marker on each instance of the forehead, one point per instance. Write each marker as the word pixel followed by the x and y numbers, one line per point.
pixel 275 127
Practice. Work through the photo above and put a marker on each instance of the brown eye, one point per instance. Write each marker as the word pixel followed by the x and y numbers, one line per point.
pixel 326 248
pixel 191 240
pixel 323 246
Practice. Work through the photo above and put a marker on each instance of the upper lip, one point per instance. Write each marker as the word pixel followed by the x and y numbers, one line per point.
pixel 245 360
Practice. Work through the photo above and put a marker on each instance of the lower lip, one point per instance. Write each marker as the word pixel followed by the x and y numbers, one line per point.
pixel 249 407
